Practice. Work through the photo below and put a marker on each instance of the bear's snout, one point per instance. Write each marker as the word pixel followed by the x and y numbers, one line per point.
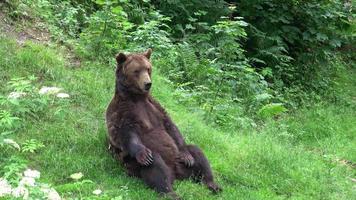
pixel 144 81
pixel 148 85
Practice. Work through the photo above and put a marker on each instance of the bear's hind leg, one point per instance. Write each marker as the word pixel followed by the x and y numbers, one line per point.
pixel 159 177
pixel 201 170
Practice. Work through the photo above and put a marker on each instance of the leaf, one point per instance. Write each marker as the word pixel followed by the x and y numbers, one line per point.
pixel 117 9
pixel 189 26
pixel 271 110
pixel 4 133
pixel 257 60
pixel 262 97
pixel 100 2
pixel 321 37
pixel 335 43
pixel 267 72
pixel 87 181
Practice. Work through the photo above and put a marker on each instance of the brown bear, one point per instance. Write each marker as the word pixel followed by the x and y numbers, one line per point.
pixel 143 136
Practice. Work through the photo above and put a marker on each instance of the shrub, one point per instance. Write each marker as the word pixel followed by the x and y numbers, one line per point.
pixel 294 40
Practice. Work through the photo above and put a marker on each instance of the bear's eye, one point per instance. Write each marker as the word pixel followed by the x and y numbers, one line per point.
pixel 137 71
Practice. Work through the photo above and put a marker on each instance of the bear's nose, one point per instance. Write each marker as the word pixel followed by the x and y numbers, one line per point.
pixel 148 86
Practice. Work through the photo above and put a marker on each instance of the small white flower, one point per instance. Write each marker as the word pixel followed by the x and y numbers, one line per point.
pixel 51 193
pixel 77 176
pixel 20 191
pixel 12 143
pixel 63 95
pixel 97 192
pixel 5 187
pixel 16 95
pixel 49 90
pixel 27 181
pixel 32 173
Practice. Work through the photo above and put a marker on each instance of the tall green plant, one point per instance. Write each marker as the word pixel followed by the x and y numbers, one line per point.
pixel 106 31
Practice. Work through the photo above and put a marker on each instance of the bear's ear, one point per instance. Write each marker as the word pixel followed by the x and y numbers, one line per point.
pixel 148 53
pixel 121 58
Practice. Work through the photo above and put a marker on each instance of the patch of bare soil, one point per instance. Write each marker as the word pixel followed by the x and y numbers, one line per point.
pixel 21 32
pixel 30 29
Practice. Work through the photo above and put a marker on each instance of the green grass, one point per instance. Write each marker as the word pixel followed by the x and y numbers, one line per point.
pixel 300 156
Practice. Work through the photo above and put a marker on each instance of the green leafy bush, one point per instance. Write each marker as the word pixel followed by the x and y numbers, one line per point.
pixel 294 40
pixel 105 32
pixel 182 12
pixel 212 70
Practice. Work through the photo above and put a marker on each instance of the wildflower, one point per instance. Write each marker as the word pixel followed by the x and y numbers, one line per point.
pixel 51 193
pixel 49 90
pixel 20 191
pixel 27 181
pixel 5 187
pixel 32 173
pixel 63 95
pixel 16 95
pixel 76 176
pixel 97 192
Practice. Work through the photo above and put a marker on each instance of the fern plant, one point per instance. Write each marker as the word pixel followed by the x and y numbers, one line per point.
pixel 31 146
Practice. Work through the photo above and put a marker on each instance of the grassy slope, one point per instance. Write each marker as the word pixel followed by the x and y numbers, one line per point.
pixel 295 157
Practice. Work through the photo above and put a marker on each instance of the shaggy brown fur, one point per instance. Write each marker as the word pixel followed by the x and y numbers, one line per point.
pixel 143 136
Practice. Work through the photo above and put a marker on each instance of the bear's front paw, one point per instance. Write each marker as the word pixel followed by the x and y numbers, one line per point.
pixel 214 187
pixel 186 158
pixel 144 157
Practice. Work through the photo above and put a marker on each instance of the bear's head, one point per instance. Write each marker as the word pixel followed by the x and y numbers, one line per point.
pixel 133 72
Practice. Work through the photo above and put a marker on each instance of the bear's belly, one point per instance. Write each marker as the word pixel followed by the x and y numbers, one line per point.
pixel 160 142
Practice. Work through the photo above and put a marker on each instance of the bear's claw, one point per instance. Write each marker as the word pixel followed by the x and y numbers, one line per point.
pixel 187 159
pixel 144 157
pixel 214 187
